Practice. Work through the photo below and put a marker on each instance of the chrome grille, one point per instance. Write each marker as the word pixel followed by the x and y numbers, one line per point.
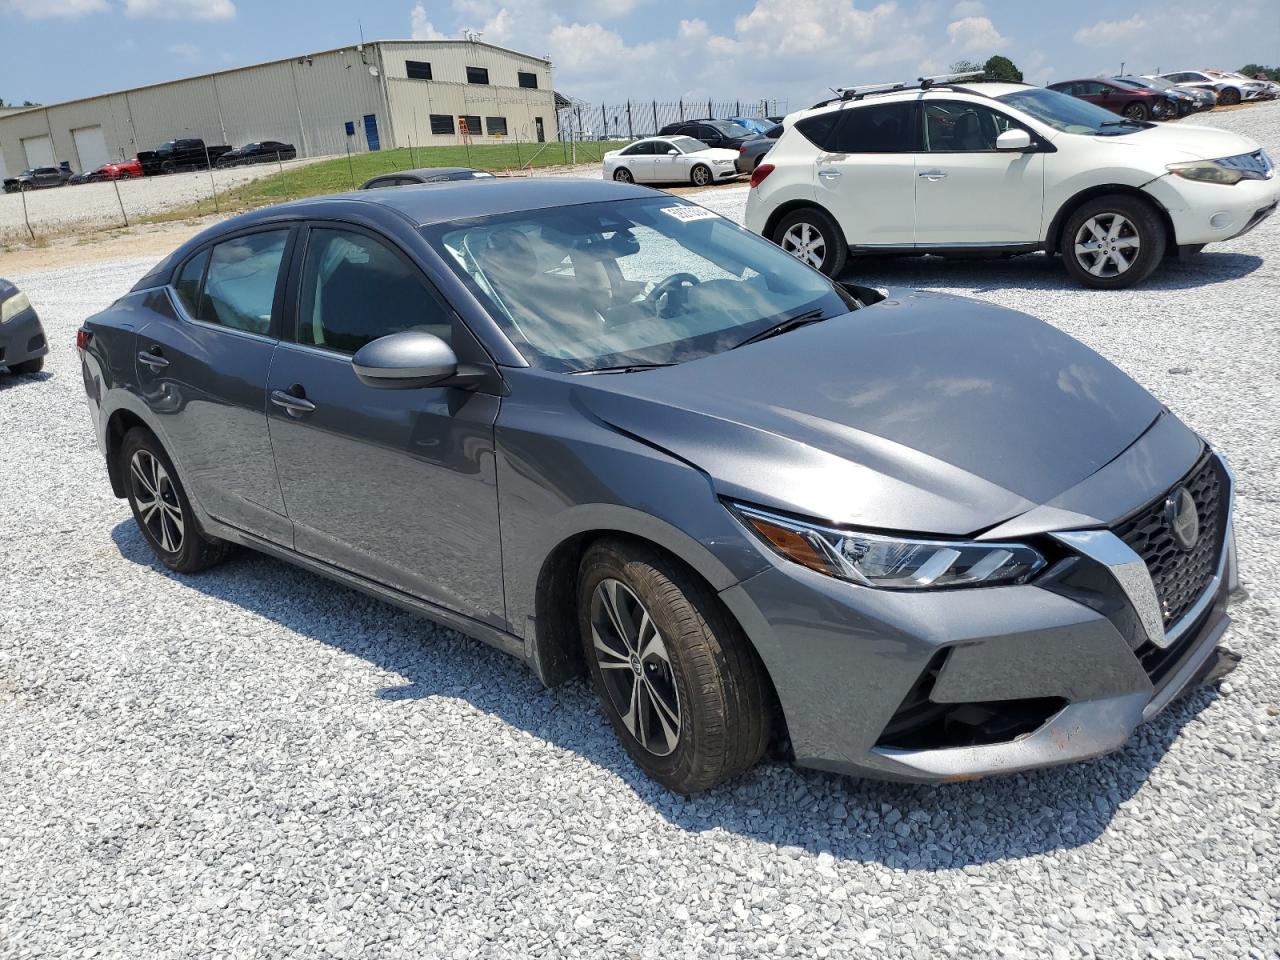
pixel 1181 576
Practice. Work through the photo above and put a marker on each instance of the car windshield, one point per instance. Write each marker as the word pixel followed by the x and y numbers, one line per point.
pixel 651 281
pixel 754 124
pixel 1131 84
pixel 1159 83
pixel 1067 113
pixel 728 128
pixel 686 144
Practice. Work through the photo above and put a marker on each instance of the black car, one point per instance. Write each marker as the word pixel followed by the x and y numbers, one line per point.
pixel 261 151
pixel 22 341
pixel 185 154
pixel 403 178
pixel 37 178
pixel 726 134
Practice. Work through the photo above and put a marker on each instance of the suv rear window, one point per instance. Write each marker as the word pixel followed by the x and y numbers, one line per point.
pixel 877 128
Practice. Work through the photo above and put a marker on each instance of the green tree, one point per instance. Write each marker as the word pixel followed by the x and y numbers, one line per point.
pixel 1001 68
pixel 1252 69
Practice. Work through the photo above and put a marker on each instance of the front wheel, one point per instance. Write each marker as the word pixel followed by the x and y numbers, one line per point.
pixel 700 175
pixel 162 509
pixel 27 366
pixel 623 175
pixel 1112 242
pixel 681 686
pixel 810 235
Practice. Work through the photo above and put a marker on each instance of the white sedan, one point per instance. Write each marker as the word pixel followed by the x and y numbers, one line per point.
pixel 670 160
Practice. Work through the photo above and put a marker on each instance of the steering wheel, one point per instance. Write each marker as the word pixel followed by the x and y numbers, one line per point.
pixel 674 290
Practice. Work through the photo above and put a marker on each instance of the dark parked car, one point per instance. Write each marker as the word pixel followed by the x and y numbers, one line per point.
pixel 186 154
pixel 611 432
pixel 726 135
pixel 402 178
pixel 22 341
pixel 262 151
pixel 38 178
pixel 1135 103
pixel 1190 99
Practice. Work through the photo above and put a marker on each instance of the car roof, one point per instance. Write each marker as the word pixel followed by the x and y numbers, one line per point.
pixel 432 171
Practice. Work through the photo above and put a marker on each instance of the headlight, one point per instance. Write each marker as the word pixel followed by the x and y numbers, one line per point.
pixel 1228 170
pixel 723 162
pixel 13 306
pixel 896 563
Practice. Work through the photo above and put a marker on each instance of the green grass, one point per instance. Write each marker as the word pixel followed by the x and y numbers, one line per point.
pixel 340 174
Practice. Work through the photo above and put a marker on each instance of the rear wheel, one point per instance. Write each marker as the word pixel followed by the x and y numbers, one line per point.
pixel 1113 241
pixel 161 508
pixel 810 235
pixel 1137 111
pixel 700 175
pixel 623 175
pixel 679 682
pixel 27 366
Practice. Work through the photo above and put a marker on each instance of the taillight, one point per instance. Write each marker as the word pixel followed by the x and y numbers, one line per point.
pixel 83 337
pixel 742 149
pixel 760 172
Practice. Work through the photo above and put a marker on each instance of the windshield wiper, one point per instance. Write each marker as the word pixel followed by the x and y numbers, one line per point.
pixel 621 368
pixel 791 323
pixel 1126 122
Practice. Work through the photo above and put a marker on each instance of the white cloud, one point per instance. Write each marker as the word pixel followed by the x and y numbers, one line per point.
pixel 974 35
pixel 46 9
pixel 968 8
pixel 1107 33
pixel 421 28
pixel 185 51
pixel 181 9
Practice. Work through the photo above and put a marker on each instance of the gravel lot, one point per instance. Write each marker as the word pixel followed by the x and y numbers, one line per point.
pixel 255 762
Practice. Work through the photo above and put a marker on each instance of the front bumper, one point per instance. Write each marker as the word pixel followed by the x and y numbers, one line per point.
pixel 1051 678
pixel 22 339
pixel 1211 212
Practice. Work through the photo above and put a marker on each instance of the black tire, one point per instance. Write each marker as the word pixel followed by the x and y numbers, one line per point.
pixel 623 175
pixel 1100 270
pixel 700 175
pixel 722 696
pixel 1137 111
pixel 34 365
pixel 194 550
pixel 1229 97
pixel 789 234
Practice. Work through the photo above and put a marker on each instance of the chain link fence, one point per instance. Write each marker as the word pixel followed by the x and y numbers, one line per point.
pixel 629 119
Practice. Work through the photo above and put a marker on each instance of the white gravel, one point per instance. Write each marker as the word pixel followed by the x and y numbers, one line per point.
pixel 256 763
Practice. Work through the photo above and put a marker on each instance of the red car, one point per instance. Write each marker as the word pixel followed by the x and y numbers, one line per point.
pixel 124 170
pixel 1131 102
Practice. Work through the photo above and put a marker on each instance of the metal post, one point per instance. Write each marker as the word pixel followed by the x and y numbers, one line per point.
pixel 737 108
pixel 284 181
pixel 682 111
pixel 655 118
pixel 711 110
pixel 24 214
pixel 115 182
pixel 631 134
pixel 213 184
pixel 350 170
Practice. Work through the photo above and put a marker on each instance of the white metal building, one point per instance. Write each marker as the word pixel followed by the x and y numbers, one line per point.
pixel 381 94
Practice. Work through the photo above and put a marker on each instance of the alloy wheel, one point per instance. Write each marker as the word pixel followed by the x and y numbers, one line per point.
pixel 635 667
pixel 804 242
pixel 1136 112
pixel 701 176
pixel 623 175
pixel 1107 245
pixel 156 499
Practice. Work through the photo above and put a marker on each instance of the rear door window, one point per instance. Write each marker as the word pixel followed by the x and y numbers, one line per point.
pixel 187 283
pixel 877 128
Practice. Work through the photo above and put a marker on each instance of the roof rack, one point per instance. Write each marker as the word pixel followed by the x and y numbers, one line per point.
pixel 844 94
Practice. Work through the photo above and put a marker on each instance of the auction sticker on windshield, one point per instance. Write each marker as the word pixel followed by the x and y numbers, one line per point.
pixel 686 214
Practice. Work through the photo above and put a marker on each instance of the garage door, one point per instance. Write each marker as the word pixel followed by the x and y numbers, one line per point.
pixel 91 147
pixel 39 151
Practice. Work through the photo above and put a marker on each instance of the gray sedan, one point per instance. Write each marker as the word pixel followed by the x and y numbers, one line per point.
pixel 905 536
pixel 22 342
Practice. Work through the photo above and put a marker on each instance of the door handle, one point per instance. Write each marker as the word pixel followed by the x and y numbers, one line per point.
pixel 152 358
pixel 829 174
pixel 932 175
pixel 294 401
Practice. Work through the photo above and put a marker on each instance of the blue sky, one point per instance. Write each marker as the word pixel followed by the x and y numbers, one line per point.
pixel 787 49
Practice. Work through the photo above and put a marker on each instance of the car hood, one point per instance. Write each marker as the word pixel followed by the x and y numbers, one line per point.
pixel 1184 141
pixel 925 412
pixel 714 153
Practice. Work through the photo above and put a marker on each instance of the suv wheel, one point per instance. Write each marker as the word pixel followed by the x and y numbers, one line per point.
pixel 679 682
pixel 700 175
pixel 161 508
pixel 1136 111
pixel 810 235
pixel 1113 241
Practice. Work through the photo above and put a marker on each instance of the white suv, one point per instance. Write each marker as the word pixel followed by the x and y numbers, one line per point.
pixel 1004 168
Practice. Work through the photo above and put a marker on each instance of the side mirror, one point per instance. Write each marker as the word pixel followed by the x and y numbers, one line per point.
pixel 411 359
pixel 673 153
pixel 1014 139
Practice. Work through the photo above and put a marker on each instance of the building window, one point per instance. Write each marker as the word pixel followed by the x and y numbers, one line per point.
pixel 477 75
pixel 528 80
pixel 469 125
pixel 417 69
pixel 495 126
pixel 441 123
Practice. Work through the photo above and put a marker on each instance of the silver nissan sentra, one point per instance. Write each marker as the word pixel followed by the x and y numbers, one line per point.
pixel 910 536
